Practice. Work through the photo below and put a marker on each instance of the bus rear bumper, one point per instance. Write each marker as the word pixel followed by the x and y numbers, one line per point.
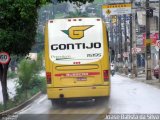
pixel 78 92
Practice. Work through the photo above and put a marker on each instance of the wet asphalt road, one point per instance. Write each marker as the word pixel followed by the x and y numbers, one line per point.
pixel 42 109
pixel 127 97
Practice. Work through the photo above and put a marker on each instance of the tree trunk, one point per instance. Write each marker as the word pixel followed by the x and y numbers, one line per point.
pixel 26 93
pixel 3 79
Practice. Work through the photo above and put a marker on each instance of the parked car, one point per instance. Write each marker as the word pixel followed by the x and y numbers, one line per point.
pixel 156 71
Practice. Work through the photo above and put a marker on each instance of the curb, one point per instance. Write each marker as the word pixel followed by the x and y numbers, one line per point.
pixel 153 82
pixel 21 106
pixel 123 75
pixel 133 77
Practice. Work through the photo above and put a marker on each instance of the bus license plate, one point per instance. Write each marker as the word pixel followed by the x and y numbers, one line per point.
pixel 81 79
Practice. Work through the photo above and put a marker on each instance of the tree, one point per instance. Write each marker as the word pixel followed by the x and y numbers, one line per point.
pixel 25 73
pixel 77 2
pixel 77 14
pixel 18 20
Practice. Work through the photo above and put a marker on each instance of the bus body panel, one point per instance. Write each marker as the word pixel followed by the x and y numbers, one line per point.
pixel 79 79
pixel 79 92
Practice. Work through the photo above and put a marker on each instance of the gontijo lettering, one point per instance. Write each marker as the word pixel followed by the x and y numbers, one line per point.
pixel 73 46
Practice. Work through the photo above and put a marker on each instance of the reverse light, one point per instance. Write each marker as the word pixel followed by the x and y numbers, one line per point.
pixel 105 75
pixel 48 76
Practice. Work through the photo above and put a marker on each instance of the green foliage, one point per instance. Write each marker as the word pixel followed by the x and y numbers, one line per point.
pixel 74 1
pixel 38 83
pixel 25 73
pixel 10 104
pixel 98 1
pixel 77 2
pixel 76 14
pixel 1 107
pixel 29 80
pixel 94 10
pixel 39 62
pixel 18 23
pixel 21 98
pixel 11 75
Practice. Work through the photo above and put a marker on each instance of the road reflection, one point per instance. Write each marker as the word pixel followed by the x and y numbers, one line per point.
pixel 73 110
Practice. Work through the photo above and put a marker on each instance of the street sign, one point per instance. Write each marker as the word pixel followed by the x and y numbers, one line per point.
pixel 116 9
pixel 158 43
pixel 4 58
pixel 108 11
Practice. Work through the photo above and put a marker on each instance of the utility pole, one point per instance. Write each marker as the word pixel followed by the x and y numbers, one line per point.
pixel 131 57
pixel 117 45
pixel 159 39
pixel 112 37
pixel 115 37
pixel 120 43
pixel 125 47
pixel 148 43
pixel 133 42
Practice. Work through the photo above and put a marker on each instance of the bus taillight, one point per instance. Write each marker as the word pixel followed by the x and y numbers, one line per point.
pixel 48 76
pixel 105 75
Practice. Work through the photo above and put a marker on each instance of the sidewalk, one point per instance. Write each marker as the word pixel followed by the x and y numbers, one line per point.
pixel 142 78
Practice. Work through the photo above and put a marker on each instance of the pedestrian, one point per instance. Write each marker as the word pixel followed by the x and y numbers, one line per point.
pixel 112 69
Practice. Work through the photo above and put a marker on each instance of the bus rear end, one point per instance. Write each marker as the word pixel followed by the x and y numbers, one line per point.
pixel 76 58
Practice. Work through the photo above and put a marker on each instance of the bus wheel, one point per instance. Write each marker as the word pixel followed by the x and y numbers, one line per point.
pixel 58 102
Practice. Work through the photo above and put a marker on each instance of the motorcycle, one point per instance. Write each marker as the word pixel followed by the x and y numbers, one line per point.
pixel 112 69
pixel 112 72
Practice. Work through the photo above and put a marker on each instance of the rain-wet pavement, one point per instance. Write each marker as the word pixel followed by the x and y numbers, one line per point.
pixel 42 109
pixel 127 96
pixel 133 97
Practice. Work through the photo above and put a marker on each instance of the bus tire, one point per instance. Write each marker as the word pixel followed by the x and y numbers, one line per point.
pixel 58 102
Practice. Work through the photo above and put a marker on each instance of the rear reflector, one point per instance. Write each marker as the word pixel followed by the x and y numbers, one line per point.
pixel 48 76
pixel 105 75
